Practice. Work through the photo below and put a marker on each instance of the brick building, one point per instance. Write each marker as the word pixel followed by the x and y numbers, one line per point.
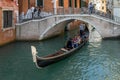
pixel 54 7
pixel 50 5
pixel 8 16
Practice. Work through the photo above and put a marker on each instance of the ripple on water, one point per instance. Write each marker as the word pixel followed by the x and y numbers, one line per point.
pixel 93 65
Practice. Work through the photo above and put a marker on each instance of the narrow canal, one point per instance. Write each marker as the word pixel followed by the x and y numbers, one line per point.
pixel 95 61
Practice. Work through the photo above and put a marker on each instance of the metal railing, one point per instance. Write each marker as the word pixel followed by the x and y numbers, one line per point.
pixel 107 16
pixel 64 11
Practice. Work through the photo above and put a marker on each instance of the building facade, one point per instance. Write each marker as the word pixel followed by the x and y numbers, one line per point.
pixel 116 8
pixel 8 18
pixel 52 5
pixel 100 5
pixel 113 7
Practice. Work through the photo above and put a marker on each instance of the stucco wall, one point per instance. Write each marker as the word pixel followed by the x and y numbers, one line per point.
pixel 116 8
pixel 7 34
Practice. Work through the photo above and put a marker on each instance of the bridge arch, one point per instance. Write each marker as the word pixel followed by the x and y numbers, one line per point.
pixel 59 26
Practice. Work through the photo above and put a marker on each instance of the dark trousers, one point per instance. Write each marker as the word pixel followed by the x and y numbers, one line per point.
pixel 81 33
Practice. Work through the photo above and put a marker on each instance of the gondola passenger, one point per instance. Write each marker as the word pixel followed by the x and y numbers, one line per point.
pixel 79 40
pixel 68 46
pixel 75 42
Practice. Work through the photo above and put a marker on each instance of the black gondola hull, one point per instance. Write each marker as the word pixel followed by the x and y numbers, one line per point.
pixel 45 62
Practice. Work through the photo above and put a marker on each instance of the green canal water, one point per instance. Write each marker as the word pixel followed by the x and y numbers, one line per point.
pixel 95 61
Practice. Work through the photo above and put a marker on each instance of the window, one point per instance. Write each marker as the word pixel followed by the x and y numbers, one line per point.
pixel 103 8
pixel 75 3
pixel 61 2
pixel 70 3
pixel 40 3
pixel 102 1
pixel 82 3
pixel 7 19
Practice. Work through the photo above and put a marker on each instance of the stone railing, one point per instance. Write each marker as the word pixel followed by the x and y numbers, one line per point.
pixel 36 15
pixel 64 11
pixel 107 16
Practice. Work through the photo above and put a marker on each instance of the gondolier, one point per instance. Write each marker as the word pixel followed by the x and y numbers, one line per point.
pixel 82 28
pixel 69 44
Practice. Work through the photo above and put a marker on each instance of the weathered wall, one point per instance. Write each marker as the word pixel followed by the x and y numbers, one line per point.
pixel 7 34
pixel 94 36
pixel 105 27
pixel 23 5
pixel 0 19
pixel 48 5
pixel 35 29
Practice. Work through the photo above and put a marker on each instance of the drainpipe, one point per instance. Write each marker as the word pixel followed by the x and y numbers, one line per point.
pixel 55 8
pixel 28 4
pixel 112 9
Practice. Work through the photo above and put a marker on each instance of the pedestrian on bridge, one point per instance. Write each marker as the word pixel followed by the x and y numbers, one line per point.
pixel 90 8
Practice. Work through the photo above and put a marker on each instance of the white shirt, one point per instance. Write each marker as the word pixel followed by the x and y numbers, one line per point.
pixel 32 9
pixel 82 27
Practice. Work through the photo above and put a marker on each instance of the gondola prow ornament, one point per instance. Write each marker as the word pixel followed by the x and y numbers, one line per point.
pixel 34 52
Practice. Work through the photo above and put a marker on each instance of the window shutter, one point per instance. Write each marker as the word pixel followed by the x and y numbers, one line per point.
pixel 7 19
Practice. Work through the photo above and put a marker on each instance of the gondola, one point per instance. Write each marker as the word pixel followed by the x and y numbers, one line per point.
pixel 52 58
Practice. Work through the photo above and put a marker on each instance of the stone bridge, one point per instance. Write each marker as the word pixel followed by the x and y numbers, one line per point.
pixel 50 26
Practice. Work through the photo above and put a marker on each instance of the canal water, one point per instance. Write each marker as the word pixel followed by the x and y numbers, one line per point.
pixel 95 61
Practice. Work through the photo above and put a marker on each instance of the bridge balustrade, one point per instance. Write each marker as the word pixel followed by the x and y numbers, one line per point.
pixel 67 11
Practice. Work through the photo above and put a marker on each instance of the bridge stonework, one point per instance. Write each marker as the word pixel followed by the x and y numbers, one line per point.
pixel 44 28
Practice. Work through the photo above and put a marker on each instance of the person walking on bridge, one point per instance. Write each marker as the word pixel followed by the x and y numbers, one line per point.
pixel 90 8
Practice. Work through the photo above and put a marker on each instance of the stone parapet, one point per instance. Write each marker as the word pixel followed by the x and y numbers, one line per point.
pixel 54 25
